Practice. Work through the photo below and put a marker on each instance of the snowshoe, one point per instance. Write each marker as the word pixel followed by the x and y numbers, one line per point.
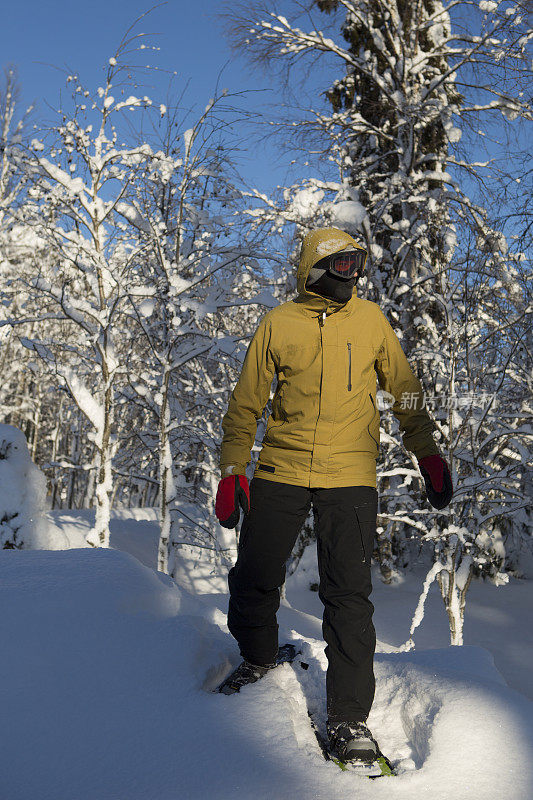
pixel 353 746
pixel 353 749
pixel 247 673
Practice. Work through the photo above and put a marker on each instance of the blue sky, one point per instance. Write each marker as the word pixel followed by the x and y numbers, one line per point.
pixel 38 37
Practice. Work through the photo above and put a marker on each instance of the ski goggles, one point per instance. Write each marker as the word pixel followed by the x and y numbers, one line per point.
pixel 344 264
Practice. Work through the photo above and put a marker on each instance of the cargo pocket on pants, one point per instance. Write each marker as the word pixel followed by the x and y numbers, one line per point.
pixel 243 533
pixel 366 527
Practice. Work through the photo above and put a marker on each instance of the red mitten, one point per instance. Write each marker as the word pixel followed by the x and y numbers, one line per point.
pixel 438 480
pixel 232 493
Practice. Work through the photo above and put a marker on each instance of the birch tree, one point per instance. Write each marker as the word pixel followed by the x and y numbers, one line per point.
pixel 90 265
pixel 187 215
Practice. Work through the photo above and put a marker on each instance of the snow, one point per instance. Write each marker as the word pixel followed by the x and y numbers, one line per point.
pixel 22 493
pixel 133 216
pixel 187 139
pixel 107 667
pixel 419 612
pixel 147 307
pixel 87 402
pixel 74 186
pixel 130 101
pixel 347 214
pixel 226 344
pixel 453 133
pixel 306 202
pixel 326 246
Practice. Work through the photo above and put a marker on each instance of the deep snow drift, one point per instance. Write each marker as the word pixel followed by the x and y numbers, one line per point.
pixel 499 619
pixel 107 667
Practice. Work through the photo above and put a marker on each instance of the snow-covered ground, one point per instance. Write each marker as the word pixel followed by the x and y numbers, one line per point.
pixel 107 667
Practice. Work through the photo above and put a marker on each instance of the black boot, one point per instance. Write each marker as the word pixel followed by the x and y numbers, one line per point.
pixel 353 742
pixel 244 674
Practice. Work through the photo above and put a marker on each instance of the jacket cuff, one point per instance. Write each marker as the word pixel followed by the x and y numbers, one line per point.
pixel 232 469
pixel 428 449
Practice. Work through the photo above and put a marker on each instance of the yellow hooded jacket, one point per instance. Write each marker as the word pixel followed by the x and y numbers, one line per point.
pixel 324 426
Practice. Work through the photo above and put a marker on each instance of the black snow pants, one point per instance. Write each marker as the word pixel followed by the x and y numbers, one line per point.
pixel 345 525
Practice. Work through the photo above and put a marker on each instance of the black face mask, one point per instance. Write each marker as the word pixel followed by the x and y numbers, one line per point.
pixel 333 288
pixel 337 274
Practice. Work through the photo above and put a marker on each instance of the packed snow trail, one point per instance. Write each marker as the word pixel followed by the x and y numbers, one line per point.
pixel 107 667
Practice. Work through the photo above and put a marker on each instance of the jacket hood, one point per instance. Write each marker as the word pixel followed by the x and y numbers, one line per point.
pixel 317 244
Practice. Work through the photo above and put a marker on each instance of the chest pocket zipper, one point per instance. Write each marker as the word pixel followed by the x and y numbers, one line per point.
pixel 349 366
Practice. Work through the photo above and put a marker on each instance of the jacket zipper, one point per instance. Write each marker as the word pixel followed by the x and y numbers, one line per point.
pixel 321 320
pixel 349 366
pixel 368 426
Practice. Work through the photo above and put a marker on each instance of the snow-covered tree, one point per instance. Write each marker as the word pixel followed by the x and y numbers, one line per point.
pixel 90 265
pixel 125 262
pixel 22 494
pixel 188 218
pixel 13 131
pixel 13 128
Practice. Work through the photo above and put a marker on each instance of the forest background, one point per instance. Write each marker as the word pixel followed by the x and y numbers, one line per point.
pixel 151 209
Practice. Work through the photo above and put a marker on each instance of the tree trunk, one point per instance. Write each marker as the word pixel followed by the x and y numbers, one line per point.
pixel 99 536
pixel 167 494
pixel 454 580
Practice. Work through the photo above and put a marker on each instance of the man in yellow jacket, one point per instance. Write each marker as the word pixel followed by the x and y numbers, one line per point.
pixel 325 348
